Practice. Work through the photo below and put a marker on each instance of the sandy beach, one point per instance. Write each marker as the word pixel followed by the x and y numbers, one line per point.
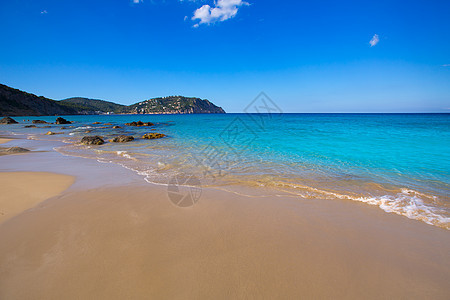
pixel 130 241
pixel 24 190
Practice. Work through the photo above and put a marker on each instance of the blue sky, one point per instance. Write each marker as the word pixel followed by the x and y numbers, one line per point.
pixel 308 56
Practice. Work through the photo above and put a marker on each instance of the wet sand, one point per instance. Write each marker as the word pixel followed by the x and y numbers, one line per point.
pixel 129 241
pixel 132 242
pixel 3 140
pixel 23 190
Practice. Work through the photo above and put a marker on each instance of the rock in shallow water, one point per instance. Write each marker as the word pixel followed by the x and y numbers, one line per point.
pixel 153 135
pixel 60 121
pixel 139 124
pixel 122 139
pixel 39 122
pixel 92 140
pixel 8 120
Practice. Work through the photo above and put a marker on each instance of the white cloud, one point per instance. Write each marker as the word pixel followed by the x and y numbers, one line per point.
pixel 222 10
pixel 137 1
pixel 375 39
pixel 446 65
pixel 44 12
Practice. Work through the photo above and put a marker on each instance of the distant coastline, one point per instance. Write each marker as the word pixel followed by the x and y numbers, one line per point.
pixel 14 102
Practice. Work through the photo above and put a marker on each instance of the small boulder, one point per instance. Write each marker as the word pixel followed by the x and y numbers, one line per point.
pixel 96 123
pixel 50 133
pixel 30 126
pixel 116 127
pixel 123 139
pixel 153 135
pixel 109 124
pixel 139 124
pixel 62 121
pixel 92 140
pixel 39 122
pixel 8 120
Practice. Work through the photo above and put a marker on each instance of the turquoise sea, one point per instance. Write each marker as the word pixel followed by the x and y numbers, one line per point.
pixel 399 162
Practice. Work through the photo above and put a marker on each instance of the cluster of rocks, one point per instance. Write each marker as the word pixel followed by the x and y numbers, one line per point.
pixel 88 140
pixel 98 140
pixel 8 120
pixel 139 124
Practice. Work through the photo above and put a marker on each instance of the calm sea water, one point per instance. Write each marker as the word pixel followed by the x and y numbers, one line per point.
pixel 399 162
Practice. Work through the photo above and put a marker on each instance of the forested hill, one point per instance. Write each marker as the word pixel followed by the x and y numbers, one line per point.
pixel 14 102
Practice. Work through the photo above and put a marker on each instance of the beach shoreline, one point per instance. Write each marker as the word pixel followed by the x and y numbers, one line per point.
pixel 122 237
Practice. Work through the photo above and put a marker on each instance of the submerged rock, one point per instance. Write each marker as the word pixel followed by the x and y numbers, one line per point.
pixel 62 121
pixel 96 123
pixel 30 126
pixel 8 120
pixel 139 124
pixel 39 122
pixel 153 135
pixel 92 140
pixel 122 139
pixel 14 150
pixel 116 127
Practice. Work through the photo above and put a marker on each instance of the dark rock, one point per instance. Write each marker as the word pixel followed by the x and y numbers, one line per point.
pixel 62 121
pixel 122 139
pixel 63 128
pixel 30 126
pixel 8 120
pixel 116 127
pixel 39 122
pixel 153 135
pixel 92 140
pixel 96 123
pixel 46 126
pixel 139 124
pixel 50 133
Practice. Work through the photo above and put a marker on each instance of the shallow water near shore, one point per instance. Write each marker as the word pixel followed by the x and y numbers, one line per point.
pixel 399 162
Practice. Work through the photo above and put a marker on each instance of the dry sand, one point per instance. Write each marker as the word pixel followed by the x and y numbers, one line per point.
pixel 133 243
pixel 20 191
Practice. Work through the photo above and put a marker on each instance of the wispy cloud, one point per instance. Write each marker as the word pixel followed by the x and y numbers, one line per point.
pixel 137 1
pixel 222 11
pixel 446 65
pixel 44 12
pixel 375 39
